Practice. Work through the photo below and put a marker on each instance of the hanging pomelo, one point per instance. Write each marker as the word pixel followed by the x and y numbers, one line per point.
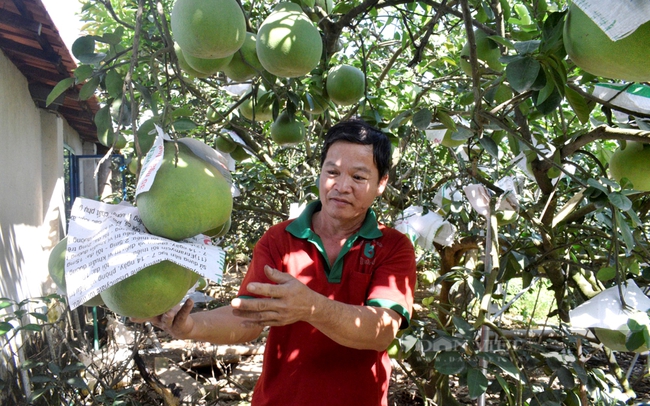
pixel 288 43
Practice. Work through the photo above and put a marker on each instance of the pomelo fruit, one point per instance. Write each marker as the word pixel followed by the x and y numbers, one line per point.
pixel 186 197
pixel 262 113
pixel 592 50
pixel 345 84
pixel 224 143
pixel 208 66
pixel 239 154
pixel 633 163
pixel 288 44
pixel 208 29
pixel 56 268
pixel 486 51
pixel 151 291
pixel 245 64
pixel 286 130
pixel 221 230
pixel 185 67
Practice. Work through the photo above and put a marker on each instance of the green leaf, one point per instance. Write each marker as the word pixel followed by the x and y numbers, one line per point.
pixel 83 72
pixel 578 104
pixel 5 328
pixel 58 90
pixel 31 327
pixel 43 379
pixel 422 119
pixel 620 201
pixel 114 84
pixel 626 233
pixel 522 72
pixel 446 120
pixel 54 368
pixel 527 47
pixel 477 383
pixel 449 363
pixel 566 377
pixel 463 326
pixel 77 366
pixel 502 362
pixel 83 47
pixel 76 382
pixel 606 274
pixel 40 316
pixel 489 146
pixel 88 89
pixel 636 340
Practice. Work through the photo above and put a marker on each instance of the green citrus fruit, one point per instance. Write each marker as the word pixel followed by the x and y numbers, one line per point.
pixel 288 44
pixel 486 51
pixel 207 66
pixel 632 163
pixel 239 154
pixel 345 84
pixel 394 349
pixel 592 50
pixel 146 135
pixel 182 63
pixel 261 113
pixel 221 230
pixel 151 291
pixel 208 29
pixel 287 131
pixel 225 144
pixel 244 64
pixel 56 268
pixel 505 217
pixel 202 283
pixel 186 197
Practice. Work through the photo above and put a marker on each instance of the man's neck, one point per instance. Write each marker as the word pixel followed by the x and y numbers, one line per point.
pixel 330 228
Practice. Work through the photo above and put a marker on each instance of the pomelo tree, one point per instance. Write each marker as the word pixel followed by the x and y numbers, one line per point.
pixel 524 130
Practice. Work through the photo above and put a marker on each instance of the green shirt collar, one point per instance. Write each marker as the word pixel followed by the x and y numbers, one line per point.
pixel 301 226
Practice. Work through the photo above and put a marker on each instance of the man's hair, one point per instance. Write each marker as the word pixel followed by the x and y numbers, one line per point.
pixel 359 132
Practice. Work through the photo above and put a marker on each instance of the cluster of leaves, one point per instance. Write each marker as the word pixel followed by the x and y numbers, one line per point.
pixel 533 120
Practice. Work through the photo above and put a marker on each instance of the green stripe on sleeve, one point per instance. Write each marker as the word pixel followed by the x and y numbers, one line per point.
pixel 389 304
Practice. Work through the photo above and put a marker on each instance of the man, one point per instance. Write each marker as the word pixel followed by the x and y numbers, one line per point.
pixel 333 285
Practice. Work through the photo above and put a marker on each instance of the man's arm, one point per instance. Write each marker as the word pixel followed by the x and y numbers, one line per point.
pixel 360 327
pixel 218 326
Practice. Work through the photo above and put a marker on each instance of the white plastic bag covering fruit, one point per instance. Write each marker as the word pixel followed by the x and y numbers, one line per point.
pixel 425 229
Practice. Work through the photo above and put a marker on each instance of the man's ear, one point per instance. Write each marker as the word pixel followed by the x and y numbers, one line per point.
pixel 382 185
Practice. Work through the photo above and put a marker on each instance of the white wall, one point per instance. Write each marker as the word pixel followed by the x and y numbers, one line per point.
pixel 32 212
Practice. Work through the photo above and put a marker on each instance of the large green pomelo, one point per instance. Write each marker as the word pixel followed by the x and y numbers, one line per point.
pixel 239 154
pixel 185 67
pixel 288 43
pixel 220 231
pixel 245 64
pixel 208 29
pixel 261 113
pixel 224 143
pixel 185 199
pixel 151 291
pixel 345 84
pixel 287 131
pixel 486 51
pixel 592 50
pixel 146 135
pixel 633 163
pixel 56 268
pixel 208 66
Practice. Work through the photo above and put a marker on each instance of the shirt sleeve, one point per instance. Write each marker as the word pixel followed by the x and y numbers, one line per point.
pixel 393 281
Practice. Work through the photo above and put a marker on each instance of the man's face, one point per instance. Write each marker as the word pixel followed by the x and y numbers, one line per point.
pixel 349 181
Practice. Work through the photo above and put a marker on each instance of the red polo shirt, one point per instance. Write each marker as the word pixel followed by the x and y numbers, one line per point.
pixel 302 366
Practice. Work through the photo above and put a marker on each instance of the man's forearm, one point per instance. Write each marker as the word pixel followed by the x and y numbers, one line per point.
pixel 360 327
pixel 220 326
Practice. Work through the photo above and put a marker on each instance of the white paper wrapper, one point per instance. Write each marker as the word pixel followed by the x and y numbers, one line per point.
pixel 108 243
pixel 635 97
pixel 617 19
pixel 606 311
pixel 479 196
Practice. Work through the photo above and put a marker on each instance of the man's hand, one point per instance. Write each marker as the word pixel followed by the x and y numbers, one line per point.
pixel 285 303
pixel 176 322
